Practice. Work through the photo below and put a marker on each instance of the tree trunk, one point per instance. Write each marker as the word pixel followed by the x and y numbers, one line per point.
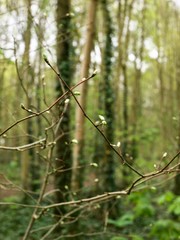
pixel 40 28
pixel 27 79
pixel 161 78
pixel 177 178
pixel 122 9
pixel 64 47
pixel 77 176
pixel 137 95
pixel 108 167
pixel 125 114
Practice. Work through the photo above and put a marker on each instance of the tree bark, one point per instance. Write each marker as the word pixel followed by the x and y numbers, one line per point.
pixel 63 151
pixel 125 107
pixel 26 84
pixel 136 93
pixel 108 167
pixel 125 83
pixel 77 176
pixel 177 61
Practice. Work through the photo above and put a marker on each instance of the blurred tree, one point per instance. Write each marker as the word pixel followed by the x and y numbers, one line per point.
pixel 124 15
pixel 2 73
pixel 137 86
pixel 77 176
pixel 107 162
pixel 121 15
pixel 160 71
pixel 126 87
pixel 64 63
pixel 40 32
pixel 177 95
pixel 26 78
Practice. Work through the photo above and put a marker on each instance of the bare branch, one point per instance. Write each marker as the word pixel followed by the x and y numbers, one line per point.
pixel 39 143
pixel 45 110
pixel 89 119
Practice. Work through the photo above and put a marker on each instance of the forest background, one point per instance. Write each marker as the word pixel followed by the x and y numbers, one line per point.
pixel 89 119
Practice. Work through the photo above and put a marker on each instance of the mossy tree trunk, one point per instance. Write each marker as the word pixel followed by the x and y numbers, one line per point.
pixel 107 165
pixel 64 63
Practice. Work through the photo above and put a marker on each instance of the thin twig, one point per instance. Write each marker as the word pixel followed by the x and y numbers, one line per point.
pixel 153 174
pixel 89 119
pixel 101 197
pixel 25 147
pixel 43 188
pixel 45 110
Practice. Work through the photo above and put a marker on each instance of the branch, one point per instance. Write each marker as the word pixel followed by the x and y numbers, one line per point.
pixel 154 174
pixel 39 143
pixel 45 110
pixel 89 119
pixel 104 196
pixel 43 188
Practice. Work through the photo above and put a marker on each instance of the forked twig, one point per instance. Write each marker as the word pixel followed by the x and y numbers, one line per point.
pixel 89 119
pixel 45 110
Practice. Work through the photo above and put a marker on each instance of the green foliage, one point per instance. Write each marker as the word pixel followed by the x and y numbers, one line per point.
pixel 165 198
pixel 126 220
pixel 146 216
pixel 14 220
pixel 144 210
pixel 175 207
pixel 165 229
pixel 12 171
pixel 118 238
pixel 132 237
pixel 149 134
pixel 173 200
pixel 136 237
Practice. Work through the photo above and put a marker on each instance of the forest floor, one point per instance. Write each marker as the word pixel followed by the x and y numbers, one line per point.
pixel 7 188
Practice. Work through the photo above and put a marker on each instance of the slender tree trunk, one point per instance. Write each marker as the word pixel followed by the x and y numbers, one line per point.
pixel 117 82
pixel 161 78
pixel 125 84
pixel 125 114
pixel 64 63
pixel 177 49
pixel 77 176
pixel 137 95
pixel 38 84
pixel 108 162
pixel 177 178
pixel 1 94
pixel 27 79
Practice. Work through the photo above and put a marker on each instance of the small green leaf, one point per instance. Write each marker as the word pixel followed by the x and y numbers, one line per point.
pixel 123 221
pixel 74 141
pixel 102 118
pixel 76 93
pixel 94 164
